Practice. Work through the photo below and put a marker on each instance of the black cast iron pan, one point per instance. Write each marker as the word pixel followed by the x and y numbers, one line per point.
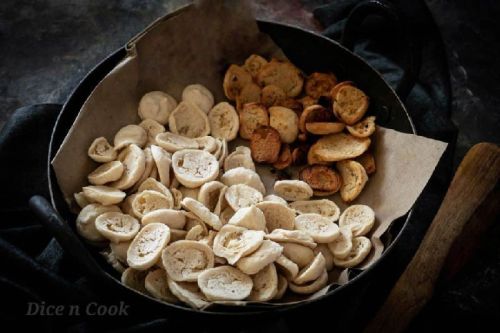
pixel 310 52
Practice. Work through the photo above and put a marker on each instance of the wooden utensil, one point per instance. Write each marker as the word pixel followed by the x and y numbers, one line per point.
pixel 475 178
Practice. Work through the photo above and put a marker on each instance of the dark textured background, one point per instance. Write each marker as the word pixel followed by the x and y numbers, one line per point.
pixel 47 46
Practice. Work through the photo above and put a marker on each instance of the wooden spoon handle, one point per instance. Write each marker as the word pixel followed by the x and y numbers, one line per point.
pixel 476 176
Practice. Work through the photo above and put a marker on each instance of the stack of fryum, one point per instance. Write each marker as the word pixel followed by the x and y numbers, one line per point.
pixel 187 220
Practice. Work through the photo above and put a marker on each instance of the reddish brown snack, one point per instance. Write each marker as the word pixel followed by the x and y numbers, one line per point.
pixel 368 162
pixel 339 85
pixel 265 144
pixel 284 159
pixel 299 155
pixel 252 116
pixel 235 79
pixel 307 101
pixel 272 95
pixel 321 178
pixel 314 113
pixel 320 84
pixel 292 104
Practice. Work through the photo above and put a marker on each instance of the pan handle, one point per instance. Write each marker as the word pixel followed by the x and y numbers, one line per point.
pixel 387 10
pixel 51 219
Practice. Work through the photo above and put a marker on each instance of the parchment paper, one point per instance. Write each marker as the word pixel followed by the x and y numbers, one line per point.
pixel 195 45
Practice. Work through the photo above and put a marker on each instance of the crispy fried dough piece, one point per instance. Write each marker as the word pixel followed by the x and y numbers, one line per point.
pixel 350 104
pixel 354 179
pixel 338 147
pixel 284 159
pixel 254 63
pixel 252 116
pixel 339 85
pixel 368 162
pixel 307 101
pixel 235 79
pixel 321 178
pixel 265 145
pixel 324 128
pixel 292 104
pixel 299 154
pixel 285 121
pixel 320 84
pixel 314 113
pixel 282 74
pixel 364 128
pixel 250 93
pixel 272 95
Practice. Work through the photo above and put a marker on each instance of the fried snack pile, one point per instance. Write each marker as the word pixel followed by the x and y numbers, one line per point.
pixel 186 220
pixel 317 121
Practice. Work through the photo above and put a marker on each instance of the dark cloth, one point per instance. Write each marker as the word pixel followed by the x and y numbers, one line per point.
pixel 39 270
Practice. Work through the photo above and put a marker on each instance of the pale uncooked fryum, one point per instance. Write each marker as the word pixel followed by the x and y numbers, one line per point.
pixel 120 250
pixel 292 236
pixel 241 195
pixel 249 217
pixel 278 216
pixel 293 190
pixel 245 176
pixel 157 105
pixel 209 239
pixel 156 285
pixel 275 198
pixel 287 267
pixel 176 235
pixel 106 173
pixel 209 194
pixel 148 168
pixel 104 195
pixel 312 271
pixel 224 121
pixel 134 163
pixel 312 287
pixel 324 207
pixel 225 283
pixel 148 201
pixel 85 221
pixel 152 128
pixel 196 233
pixel 175 219
pixel 192 221
pixel 224 151
pixel 234 242
pixel 152 184
pixel 285 121
pixel 130 134
pixel 145 249
pixel 193 168
pixel 202 212
pixel 240 157
pixel 126 205
pixel 163 160
pixel 101 151
pixel 360 218
pixel 221 203
pixel 172 142
pixel 226 215
pixel 189 192
pixel 199 96
pixel 282 287
pixel 325 251
pixel 81 200
pixel 207 143
pixel 184 260
pixel 134 279
pixel 321 229
pixel 177 197
pixel 361 247
pixel 267 253
pixel 265 284
pixel 299 254
pixel 341 247
pixel 189 120
pixel 117 227
pixel 188 292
